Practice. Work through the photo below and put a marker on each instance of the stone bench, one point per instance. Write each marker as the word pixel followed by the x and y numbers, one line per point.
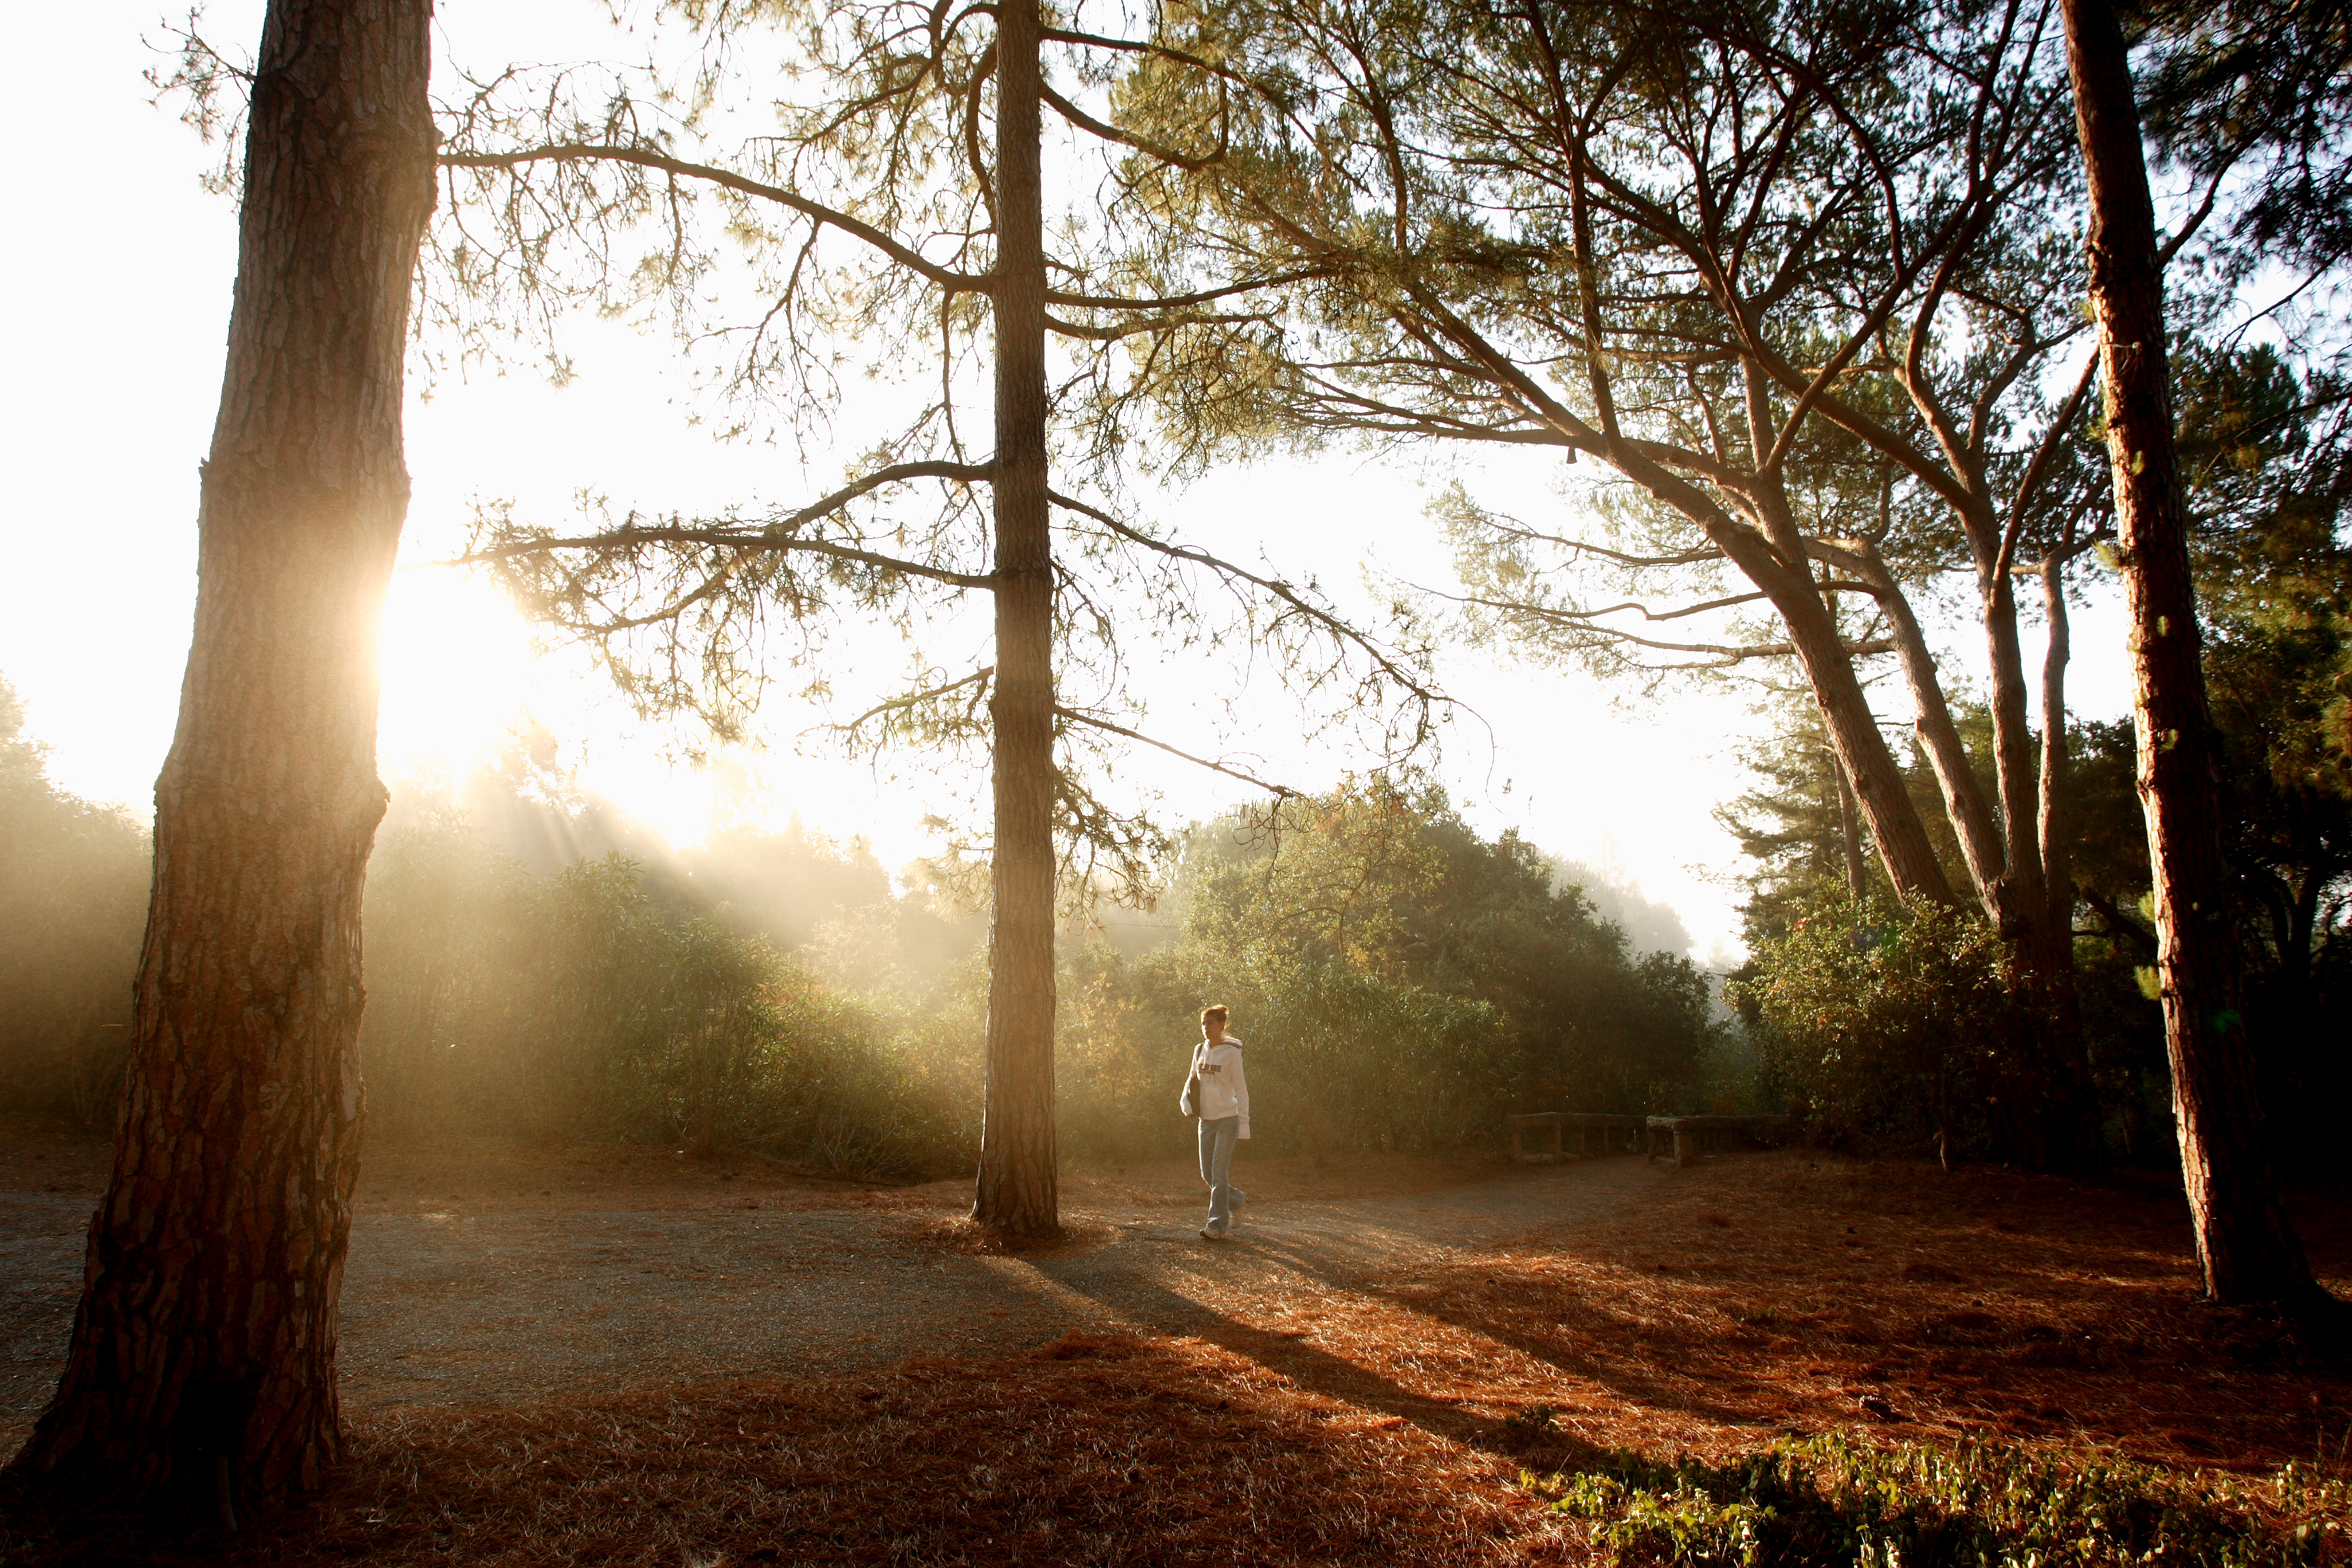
pixel 1585 1124
pixel 1518 1127
pixel 1687 1137
pixel 1590 1124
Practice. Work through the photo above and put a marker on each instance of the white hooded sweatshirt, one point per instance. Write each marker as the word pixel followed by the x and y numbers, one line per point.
pixel 1223 1091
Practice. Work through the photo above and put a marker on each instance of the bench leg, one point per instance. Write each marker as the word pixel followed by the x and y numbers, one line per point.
pixel 1686 1147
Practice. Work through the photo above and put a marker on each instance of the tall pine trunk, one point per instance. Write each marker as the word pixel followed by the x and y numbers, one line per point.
pixel 2244 1243
pixel 203 1348
pixel 1016 1190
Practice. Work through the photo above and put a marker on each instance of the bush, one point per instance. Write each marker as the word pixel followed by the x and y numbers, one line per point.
pixel 73 903
pixel 1830 1502
pixel 1885 1020
pixel 1403 984
pixel 573 1006
pixel 1338 1058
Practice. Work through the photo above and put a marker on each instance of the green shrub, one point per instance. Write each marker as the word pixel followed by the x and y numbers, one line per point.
pixel 1402 983
pixel 574 1007
pixel 73 903
pixel 1885 1019
pixel 1832 1502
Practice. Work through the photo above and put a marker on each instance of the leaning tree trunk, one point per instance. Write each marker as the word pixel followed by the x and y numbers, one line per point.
pixel 2247 1250
pixel 203 1348
pixel 1017 1186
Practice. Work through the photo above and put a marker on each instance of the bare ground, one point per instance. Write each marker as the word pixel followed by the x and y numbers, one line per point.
pixel 498 1276
pixel 603 1355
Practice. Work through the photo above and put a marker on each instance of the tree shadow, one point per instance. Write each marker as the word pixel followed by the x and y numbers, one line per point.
pixel 1335 1267
pixel 1129 1296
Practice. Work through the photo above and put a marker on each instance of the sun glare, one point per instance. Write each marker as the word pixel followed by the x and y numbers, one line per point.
pixel 462 679
pixel 458 672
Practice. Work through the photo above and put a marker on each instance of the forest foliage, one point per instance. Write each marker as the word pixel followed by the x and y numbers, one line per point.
pixel 1402 981
pixel 1424 261
pixel 73 897
pixel 1836 968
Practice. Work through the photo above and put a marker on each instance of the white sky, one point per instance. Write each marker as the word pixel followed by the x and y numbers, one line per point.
pixel 120 271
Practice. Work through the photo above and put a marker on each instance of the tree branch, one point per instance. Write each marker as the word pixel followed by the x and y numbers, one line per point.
pixel 646 158
pixel 979 677
pixel 629 535
pixel 1077 716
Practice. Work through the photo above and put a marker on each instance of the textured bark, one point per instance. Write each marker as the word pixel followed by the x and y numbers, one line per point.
pixel 204 1347
pixel 2244 1243
pixel 1016 1190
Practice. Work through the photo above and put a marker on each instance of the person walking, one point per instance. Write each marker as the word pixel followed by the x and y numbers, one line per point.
pixel 1218 1094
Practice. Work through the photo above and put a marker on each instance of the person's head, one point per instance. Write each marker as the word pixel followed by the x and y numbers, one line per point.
pixel 1213 1023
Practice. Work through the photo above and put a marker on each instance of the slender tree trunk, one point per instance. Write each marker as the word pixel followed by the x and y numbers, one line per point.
pixel 1862 751
pixel 203 1348
pixel 2007 870
pixel 1017 1186
pixel 1857 871
pixel 2066 1132
pixel 2056 824
pixel 1964 802
pixel 2247 1250
pixel 2025 889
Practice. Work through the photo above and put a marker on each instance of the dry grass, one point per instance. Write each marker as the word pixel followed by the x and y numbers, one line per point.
pixel 1319 1413
pixel 1787 1294
pixel 1087 1450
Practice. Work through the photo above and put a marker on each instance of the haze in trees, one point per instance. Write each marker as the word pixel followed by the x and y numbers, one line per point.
pixel 73 895
pixel 1824 346
pixel 905 206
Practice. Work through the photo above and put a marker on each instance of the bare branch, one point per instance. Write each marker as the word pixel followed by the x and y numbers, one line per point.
pixel 1077 716
pixel 647 158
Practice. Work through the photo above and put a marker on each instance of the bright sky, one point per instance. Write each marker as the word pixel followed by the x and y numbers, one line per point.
pixel 114 354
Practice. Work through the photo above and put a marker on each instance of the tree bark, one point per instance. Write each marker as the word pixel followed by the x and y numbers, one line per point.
pixel 1857 870
pixel 1016 1190
pixel 2247 1249
pixel 204 1347
pixel 2056 822
pixel 1862 751
pixel 1964 802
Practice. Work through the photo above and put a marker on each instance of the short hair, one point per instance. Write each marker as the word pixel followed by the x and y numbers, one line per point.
pixel 1219 1014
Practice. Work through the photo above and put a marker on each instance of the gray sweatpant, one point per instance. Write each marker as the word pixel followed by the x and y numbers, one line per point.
pixel 1217 1139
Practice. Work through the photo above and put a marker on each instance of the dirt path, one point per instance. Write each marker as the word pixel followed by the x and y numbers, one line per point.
pixel 464 1302
pixel 1707 1309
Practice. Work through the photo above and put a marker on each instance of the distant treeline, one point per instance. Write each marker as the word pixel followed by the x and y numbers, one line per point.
pixel 73 901
pixel 550 971
pixel 1401 983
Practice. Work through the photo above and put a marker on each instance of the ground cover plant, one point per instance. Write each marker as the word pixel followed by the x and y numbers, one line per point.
pixel 1832 1499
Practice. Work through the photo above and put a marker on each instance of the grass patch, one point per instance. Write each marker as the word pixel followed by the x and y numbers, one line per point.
pixel 1831 1501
